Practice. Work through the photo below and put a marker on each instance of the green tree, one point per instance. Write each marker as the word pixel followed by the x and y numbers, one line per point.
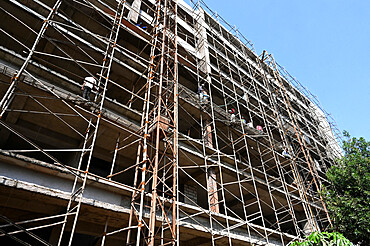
pixel 324 239
pixel 348 197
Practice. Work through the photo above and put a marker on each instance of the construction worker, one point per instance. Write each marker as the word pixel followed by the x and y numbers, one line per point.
pixel 286 154
pixel 259 128
pixel 200 89
pixel 88 85
pixel 245 97
pixel 244 122
pixel 203 95
pixel 232 115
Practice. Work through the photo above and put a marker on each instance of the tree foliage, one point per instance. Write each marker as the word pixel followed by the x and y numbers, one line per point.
pixel 348 197
pixel 324 239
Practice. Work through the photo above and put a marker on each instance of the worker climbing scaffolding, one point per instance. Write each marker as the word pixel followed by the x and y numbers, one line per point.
pixel 202 93
pixel 232 115
pixel 89 85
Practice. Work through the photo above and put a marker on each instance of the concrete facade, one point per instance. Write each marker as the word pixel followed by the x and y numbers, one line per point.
pixel 71 166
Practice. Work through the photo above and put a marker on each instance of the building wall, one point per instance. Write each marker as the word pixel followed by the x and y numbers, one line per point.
pixel 233 179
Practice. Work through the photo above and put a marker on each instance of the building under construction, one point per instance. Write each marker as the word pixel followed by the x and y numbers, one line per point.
pixel 189 137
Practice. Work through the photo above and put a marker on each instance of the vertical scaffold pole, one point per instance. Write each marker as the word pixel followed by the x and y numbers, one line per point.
pixel 157 156
pixel 7 98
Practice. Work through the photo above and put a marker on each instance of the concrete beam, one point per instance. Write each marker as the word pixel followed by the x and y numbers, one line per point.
pixel 101 194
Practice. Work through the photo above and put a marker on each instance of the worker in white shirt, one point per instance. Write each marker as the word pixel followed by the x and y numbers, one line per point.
pixel 232 115
pixel 88 85
pixel 286 154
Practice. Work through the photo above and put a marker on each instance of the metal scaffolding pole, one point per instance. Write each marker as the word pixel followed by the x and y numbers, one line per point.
pixel 9 94
pixel 157 155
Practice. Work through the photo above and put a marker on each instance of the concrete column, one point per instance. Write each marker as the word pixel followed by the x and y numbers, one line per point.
pixel 213 194
pixel 208 134
pixel 212 184
pixel 203 54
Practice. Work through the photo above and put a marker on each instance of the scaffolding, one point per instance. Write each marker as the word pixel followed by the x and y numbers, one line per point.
pixel 190 138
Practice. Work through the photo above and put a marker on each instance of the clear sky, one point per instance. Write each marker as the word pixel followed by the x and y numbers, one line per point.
pixel 325 44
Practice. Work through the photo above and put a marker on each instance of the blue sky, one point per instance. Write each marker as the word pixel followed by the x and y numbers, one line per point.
pixel 325 44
